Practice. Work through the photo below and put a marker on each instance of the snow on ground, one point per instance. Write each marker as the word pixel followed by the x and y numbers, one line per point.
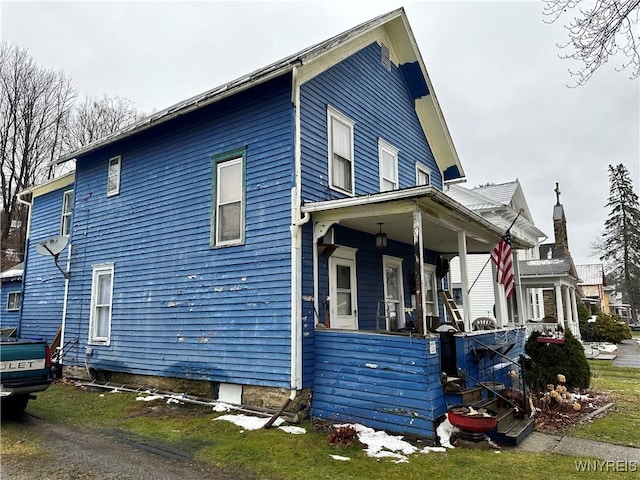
pixel 293 430
pixel 341 458
pixel 248 422
pixel 444 432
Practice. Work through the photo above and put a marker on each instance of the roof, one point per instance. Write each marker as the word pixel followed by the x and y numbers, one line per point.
pixel 554 266
pixel 501 193
pixel 395 24
pixel 592 274
pixel 14 273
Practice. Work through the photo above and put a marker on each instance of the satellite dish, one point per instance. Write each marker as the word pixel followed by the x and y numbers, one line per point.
pixel 52 247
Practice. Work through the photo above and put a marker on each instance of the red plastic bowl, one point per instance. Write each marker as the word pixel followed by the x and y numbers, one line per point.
pixel 471 423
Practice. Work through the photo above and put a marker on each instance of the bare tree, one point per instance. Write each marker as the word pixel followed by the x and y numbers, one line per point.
pixel 34 106
pixel 95 118
pixel 601 29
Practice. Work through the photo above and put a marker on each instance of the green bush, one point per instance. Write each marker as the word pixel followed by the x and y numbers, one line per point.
pixel 606 328
pixel 543 362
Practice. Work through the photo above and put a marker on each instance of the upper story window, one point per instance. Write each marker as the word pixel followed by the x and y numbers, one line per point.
pixel 101 304
pixel 65 219
pixel 423 175
pixel 340 130
pixel 113 179
pixel 13 301
pixel 388 164
pixel 228 222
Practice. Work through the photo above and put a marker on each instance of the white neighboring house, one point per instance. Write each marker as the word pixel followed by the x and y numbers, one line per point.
pixel 500 205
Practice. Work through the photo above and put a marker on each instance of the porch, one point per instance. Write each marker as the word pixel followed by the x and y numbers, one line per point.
pixel 395 382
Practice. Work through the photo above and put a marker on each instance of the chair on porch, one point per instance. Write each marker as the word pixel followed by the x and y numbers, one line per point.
pixel 483 323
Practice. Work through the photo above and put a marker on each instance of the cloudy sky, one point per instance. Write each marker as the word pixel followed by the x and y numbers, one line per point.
pixel 494 65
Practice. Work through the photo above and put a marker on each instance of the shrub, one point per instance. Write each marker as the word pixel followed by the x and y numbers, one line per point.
pixel 610 328
pixel 543 362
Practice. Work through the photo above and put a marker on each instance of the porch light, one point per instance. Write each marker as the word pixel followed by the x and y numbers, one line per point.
pixel 381 239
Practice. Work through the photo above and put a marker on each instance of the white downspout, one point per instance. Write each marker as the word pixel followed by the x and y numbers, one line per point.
pixel 24 257
pixel 296 245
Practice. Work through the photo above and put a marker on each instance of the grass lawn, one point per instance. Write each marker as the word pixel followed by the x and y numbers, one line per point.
pixel 620 426
pixel 275 454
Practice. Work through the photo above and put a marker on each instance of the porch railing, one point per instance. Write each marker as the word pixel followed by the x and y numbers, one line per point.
pixel 491 383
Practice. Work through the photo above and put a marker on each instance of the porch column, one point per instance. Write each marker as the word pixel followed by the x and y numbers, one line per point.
pixel 567 303
pixel 559 309
pixel 464 279
pixel 418 260
pixel 574 310
pixel 499 298
pixel 521 307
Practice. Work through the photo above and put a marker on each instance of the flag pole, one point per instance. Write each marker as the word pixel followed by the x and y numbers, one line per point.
pixel 489 259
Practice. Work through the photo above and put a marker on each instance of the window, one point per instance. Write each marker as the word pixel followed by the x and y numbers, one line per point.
pixel 423 175
pixel 430 298
pixel 13 301
pixel 228 194
pixel 65 220
pixel 113 180
pixel 340 130
pixel 388 164
pixel 101 304
pixel 393 292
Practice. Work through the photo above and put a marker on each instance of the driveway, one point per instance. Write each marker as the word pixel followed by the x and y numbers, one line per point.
pixel 71 453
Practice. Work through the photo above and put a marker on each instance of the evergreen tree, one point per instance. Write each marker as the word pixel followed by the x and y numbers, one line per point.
pixel 621 237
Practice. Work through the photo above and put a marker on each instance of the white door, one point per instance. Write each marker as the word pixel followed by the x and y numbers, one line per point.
pixel 393 292
pixel 342 287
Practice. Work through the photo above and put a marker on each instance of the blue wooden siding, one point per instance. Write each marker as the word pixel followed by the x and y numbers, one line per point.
pixel 9 318
pixel 180 307
pixel 388 382
pixel 381 105
pixel 43 283
pixel 490 367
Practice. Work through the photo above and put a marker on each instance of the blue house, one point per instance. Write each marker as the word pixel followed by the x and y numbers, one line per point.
pixel 10 298
pixel 284 233
pixel 44 284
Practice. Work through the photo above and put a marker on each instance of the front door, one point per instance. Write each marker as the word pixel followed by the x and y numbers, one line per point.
pixel 393 292
pixel 342 287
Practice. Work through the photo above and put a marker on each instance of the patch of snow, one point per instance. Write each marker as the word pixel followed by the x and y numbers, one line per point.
pixel 382 445
pixel 102 394
pixel 172 399
pixel 433 449
pixel 444 432
pixel 550 261
pixel 150 398
pixel 338 457
pixel 115 390
pixel 293 430
pixel 248 422
pixel 221 407
pixel 371 365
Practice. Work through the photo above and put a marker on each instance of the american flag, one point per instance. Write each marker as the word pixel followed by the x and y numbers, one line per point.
pixel 503 260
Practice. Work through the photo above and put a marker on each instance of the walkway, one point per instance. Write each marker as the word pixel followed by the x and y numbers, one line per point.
pixel 628 354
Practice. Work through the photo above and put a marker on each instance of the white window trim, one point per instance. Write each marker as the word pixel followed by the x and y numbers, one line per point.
pixel 422 168
pixel 388 261
pixel 68 193
pixel 99 270
pixel 240 240
pixel 9 294
pixel 115 190
pixel 332 113
pixel 384 146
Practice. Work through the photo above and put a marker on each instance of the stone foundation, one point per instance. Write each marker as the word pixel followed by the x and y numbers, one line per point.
pixel 253 396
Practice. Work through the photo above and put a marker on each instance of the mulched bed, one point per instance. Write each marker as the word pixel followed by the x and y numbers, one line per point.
pixel 557 417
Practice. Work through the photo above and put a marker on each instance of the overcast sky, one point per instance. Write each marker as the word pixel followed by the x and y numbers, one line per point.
pixel 494 66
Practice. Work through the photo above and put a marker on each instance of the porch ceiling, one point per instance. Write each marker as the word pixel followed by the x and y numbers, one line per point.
pixel 442 219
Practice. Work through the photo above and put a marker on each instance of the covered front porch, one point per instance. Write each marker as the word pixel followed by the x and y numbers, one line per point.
pixel 380 279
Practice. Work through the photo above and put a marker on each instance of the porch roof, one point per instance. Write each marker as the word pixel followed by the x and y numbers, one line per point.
pixel 442 219
pixel 547 272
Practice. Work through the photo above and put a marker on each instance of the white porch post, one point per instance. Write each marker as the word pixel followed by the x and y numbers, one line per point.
pixel 498 298
pixel 559 309
pixel 521 306
pixel 574 310
pixel 464 279
pixel 567 302
pixel 418 253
